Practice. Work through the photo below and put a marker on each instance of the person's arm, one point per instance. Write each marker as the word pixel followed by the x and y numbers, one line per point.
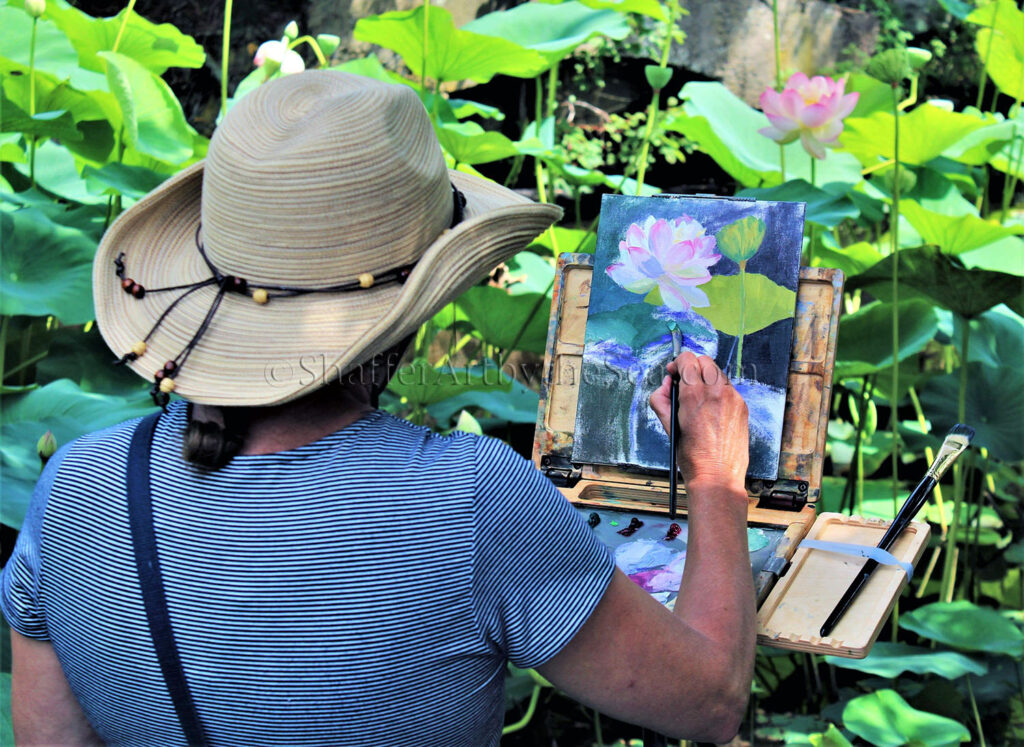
pixel 686 674
pixel 43 708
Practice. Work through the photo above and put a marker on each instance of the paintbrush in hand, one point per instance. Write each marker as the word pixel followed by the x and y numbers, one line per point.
pixel 673 436
pixel 956 442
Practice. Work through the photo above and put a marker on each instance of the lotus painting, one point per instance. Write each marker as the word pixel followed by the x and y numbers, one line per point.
pixel 724 272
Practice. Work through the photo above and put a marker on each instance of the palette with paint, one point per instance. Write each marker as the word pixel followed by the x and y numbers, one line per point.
pixel 627 504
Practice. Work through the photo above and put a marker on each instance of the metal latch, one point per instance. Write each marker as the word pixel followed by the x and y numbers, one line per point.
pixel 782 500
pixel 560 470
pixel 777 566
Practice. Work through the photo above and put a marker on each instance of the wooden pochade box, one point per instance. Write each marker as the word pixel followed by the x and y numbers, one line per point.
pixel 796 587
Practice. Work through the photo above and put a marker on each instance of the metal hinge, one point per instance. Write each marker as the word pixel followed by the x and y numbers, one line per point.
pixel 560 470
pixel 777 566
pixel 782 500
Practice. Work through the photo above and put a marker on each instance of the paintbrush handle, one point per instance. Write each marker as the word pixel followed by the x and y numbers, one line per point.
pixel 906 513
pixel 673 438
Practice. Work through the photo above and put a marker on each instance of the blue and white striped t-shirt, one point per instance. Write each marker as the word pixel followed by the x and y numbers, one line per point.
pixel 364 589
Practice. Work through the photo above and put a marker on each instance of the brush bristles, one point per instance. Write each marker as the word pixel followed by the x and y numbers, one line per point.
pixel 962 430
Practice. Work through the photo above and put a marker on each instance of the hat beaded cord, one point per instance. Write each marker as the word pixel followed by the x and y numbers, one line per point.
pixel 318 225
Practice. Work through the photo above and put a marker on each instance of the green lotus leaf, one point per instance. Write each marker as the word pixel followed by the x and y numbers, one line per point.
pixel 469 143
pixel 508 321
pixel 893 659
pixel 852 260
pixel 944 280
pixel 964 625
pixel 955 234
pixel 740 240
pixel 154 122
pixel 422 384
pixel 1005 59
pixel 994 407
pixel 517 405
pixel 997 338
pixel 452 54
pixel 651 8
pixel 63 408
pixel 45 268
pixel 885 719
pixel 863 350
pixel 766 303
pixel 924 134
pixel 824 208
pixel 554 31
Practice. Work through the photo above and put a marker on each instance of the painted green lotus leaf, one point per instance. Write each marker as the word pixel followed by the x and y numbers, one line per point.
pixel 452 54
pixel 885 719
pixel 893 659
pixel 63 408
pixel 740 240
pixel 964 625
pixel 766 303
pixel 631 325
pixel 423 384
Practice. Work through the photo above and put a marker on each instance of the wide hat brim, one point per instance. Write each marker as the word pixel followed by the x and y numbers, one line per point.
pixel 265 354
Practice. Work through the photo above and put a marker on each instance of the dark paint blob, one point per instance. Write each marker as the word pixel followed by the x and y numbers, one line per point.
pixel 673 532
pixel 634 524
pixel 594 519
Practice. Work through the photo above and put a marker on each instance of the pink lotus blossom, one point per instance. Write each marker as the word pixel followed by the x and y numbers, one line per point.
pixel 811 109
pixel 666 259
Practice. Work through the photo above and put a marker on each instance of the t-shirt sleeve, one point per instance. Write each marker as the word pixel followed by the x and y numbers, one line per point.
pixel 20 600
pixel 538 569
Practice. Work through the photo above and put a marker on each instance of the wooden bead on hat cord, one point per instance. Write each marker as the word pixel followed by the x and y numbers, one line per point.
pixel 163 379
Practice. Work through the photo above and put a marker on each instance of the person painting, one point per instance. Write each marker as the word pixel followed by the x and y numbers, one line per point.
pixel 316 570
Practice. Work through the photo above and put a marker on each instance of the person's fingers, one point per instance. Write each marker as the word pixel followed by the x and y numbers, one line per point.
pixel 689 368
pixel 661 401
pixel 709 372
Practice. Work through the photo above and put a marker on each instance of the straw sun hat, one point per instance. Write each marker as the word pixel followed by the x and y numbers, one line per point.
pixel 315 235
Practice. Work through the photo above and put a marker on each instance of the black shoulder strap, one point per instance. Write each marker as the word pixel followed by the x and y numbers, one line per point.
pixel 147 562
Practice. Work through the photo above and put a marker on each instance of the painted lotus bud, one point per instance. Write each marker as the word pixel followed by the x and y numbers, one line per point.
pixel 35 8
pixel 46 446
pixel 740 240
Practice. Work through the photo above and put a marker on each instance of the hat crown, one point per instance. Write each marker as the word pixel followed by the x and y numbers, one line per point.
pixel 315 178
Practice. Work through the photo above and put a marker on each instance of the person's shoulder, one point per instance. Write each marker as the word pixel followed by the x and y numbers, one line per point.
pixel 400 430
pixel 110 443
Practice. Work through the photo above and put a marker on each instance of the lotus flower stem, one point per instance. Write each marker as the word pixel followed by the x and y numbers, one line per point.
pixel 959 476
pixel 974 705
pixel 813 237
pixel 426 31
pixel 894 230
pixel 988 54
pixel 124 22
pixel 538 165
pixel 314 45
pixel 652 110
pixel 552 89
pixel 32 101
pixel 778 78
pixel 225 48
pixel 1011 177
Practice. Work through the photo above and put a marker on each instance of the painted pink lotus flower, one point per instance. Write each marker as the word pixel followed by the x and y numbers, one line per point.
pixel 811 109
pixel 667 260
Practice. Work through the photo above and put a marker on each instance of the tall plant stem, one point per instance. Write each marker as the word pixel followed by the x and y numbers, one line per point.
pixel 314 45
pixel 426 29
pixel 549 110
pixel 538 165
pixel 743 303
pixel 225 49
pixel 782 162
pixel 124 23
pixel 32 101
pixel 988 54
pixel 929 455
pixel 949 567
pixel 894 231
pixel 974 710
pixel 1011 178
pixel 5 324
pixel 652 110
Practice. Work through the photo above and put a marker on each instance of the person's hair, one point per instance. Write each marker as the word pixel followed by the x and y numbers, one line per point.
pixel 211 444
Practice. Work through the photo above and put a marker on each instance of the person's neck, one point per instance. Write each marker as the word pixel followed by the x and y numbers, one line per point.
pixel 305 420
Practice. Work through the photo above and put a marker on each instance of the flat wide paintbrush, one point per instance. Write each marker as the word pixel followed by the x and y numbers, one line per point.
pixel 956 442
pixel 673 436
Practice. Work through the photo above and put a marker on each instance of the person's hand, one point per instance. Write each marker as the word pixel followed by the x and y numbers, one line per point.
pixel 714 445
